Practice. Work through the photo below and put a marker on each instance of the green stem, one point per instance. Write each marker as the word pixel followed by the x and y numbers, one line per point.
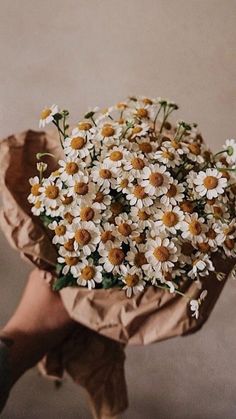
pixel 175 292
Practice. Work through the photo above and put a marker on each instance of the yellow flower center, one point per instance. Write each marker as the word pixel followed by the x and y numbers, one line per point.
pixel 136 130
pixel 142 113
pixel 35 189
pixel 170 218
pixel 194 149
pixel 172 191
pixel 218 212
pixel 229 243
pixel 145 147
pixel 125 229
pixel 87 214
pixel 137 163
pixel 69 245
pixel 116 156
pixel 99 197
pixel 168 155
pixel 117 208
pixel 77 143
pixel 67 200
pixel 88 273
pixel 211 234
pixel 187 206
pixel 105 174
pixel 82 236
pixel 139 192
pixel 52 192
pixel 195 228
pixel 141 238
pixel 204 247
pixel 69 217
pixel 131 280
pixel 60 230
pixel 124 183
pixel 161 253
pixel 71 261
pixel 156 179
pixel 143 215
pixel 84 126
pixel 116 256
pixel 81 188
pixel 71 168
pixel 147 101
pixel 106 236
pixel 108 131
pixel 45 113
pixel 140 259
pixel 210 182
pixel 37 204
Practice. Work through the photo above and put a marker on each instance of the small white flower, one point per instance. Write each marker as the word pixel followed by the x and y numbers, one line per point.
pixel 87 274
pixel 162 253
pixel 195 304
pixel 132 278
pixel 210 183
pixel 35 187
pixel 202 265
pixel 47 115
pixel 156 180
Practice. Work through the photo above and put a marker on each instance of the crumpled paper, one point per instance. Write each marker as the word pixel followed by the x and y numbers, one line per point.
pixel 107 319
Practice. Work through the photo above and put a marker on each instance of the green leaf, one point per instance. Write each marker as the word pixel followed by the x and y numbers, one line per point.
pixel 63 282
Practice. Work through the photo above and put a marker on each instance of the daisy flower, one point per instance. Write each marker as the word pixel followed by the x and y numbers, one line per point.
pixel 138 196
pixel 86 236
pixel 61 233
pixel 195 304
pixel 125 227
pixel 112 258
pixel 156 180
pixel 50 191
pixel 135 163
pixel 124 182
pixel 210 183
pixel 70 263
pixel 87 274
pixel 69 167
pixel 168 219
pixel 38 207
pixel 168 155
pixel 202 265
pixel 47 114
pixel 103 174
pixel 143 217
pixel 193 228
pixel 78 146
pixel 81 188
pixel 136 256
pixel 174 195
pixel 162 253
pixel 115 157
pixel 34 191
pixel 193 151
pixel 132 278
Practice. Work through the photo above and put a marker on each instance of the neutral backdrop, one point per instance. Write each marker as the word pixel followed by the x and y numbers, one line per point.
pixel 95 52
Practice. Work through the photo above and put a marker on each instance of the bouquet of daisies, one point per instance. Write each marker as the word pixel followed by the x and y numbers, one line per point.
pixel 137 201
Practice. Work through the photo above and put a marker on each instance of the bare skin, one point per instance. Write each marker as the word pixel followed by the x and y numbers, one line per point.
pixel 39 323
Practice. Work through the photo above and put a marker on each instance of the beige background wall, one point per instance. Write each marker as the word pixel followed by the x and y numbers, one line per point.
pixel 94 52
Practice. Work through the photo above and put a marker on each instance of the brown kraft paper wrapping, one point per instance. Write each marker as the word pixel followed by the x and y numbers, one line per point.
pixel 107 319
